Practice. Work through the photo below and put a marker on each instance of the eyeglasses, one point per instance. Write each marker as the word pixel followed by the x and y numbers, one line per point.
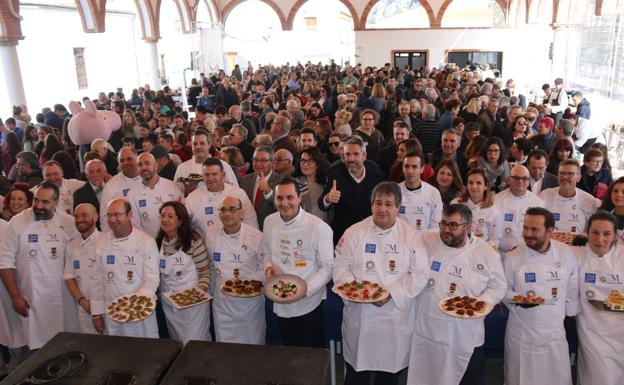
pixel 259 160
pixel 334 143
pixel 307 161
pixel 451 225
pixel 523 123
pixel 283 160
pixel 116 215
pixel 520 178
pixel 230 210
pixel 567 174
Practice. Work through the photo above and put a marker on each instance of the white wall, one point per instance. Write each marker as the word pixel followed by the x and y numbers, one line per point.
pixel 525 50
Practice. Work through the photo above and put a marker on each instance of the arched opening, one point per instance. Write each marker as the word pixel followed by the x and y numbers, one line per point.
pixel 174 47
pixel 207 40
pixel 398 14
pixel 253 33
pixel 323 30
pixel 472 13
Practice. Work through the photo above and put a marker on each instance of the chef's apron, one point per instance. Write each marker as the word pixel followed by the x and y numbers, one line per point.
pixel 438 358
pixel 239 320
pixel 178 273
pixel 601 339
pixel 536 349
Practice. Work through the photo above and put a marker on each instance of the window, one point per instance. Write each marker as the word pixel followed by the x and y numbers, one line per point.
pixel 461 57
pixel 415 59
pixel 81 69
pixel 397 14
pixel 473 13
pixel 310 23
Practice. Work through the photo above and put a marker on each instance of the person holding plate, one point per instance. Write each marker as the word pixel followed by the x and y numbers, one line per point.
pixel 386 250
pixel 601 270
pixel 234 247
pixel 536 350
pixel 298 243
pixel 447 349
pixel 184 264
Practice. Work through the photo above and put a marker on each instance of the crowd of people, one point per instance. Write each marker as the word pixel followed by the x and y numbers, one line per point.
pixel 433 183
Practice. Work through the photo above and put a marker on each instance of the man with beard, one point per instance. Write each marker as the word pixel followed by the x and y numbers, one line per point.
pixel 147 197
pixel 128 260
pixel 448 350
pixel 32 255
pixel 536 350
pixel 81 267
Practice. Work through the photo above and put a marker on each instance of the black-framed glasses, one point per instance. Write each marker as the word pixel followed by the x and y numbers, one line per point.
pixel 451 225
pixel 520 178
pixel 230 210
pixel 307 161
pixel 334 143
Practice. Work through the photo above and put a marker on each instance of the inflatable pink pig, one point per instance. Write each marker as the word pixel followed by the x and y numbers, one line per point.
pixel 89 124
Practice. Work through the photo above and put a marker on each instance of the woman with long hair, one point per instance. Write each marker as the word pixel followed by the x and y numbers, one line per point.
pixel 10 148
pixel 562 149
pixel 184 264
pixel 31 139
pixel 51 146
pixel 447 179
pixel 486 219
pixel 493 160
pixel 129 124
pixel 613 202
pixel 18 199
pixel 311 174
pixel 601 343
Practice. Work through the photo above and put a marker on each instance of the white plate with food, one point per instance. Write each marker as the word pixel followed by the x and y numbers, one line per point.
pixel 285 288
pixel 361 291
pixel 464 307
pixel 528 301
pixel 187 298
pixel 131 308
pixel 242 288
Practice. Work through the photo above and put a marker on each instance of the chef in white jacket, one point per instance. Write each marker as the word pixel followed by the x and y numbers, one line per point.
pixel 601 270
pixel 386 250
pixel 82 266
pixel 53 172
pixel 297 242
pixel 448 350
pixel 32 257
pixel 147 197
pixel 536 350
pixel 570 205
pixel 234 247
pixel 512 203
pixel 421 203
pixel 204 202
pixel 129 261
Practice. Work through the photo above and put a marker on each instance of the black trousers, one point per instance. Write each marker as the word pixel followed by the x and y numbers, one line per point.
pixel 364 377
pixel 305 330
pixel 475 372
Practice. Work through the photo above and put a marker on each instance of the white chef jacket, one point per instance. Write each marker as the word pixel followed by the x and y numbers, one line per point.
pixel 66 194
pixel 146 203
pixel 304 247
pixel 128 265
pixel 36 250
pixel 379 338
pixel 82 265
pixel 11 334
pixel 117 187
pixel 421 208
pixel 513 209
pixel 204 206
pixel 536 350
pixel 236 320
pixel 601 340
pixel 442 345
pixel 571 214
pixel 486 222
pixel 190 167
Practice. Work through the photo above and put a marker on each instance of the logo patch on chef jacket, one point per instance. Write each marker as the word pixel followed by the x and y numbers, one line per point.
pixel 590 294
pixel 32 253
pixel 142 203
pixel 125 191
pixel 508 217
pixel 76 264
pixel 402 210
pixel 613 279
pixel 435 266
pixel 530 277
pixel 557 216
pixel 33 238
pixel 370 248
pixel 590 278
pixel 216 257
pixel 110 259
pixel 370 265
pixel 163 263
pixel 208 210
pixel 392 265
pixel 301 263
pixel 430 283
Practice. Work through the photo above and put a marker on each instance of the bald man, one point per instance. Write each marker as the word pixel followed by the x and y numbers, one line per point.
pixel 128 259
pixel 91 191
pixel 283 163
pixel 81 265
pixel 512 204
pixel 147 197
